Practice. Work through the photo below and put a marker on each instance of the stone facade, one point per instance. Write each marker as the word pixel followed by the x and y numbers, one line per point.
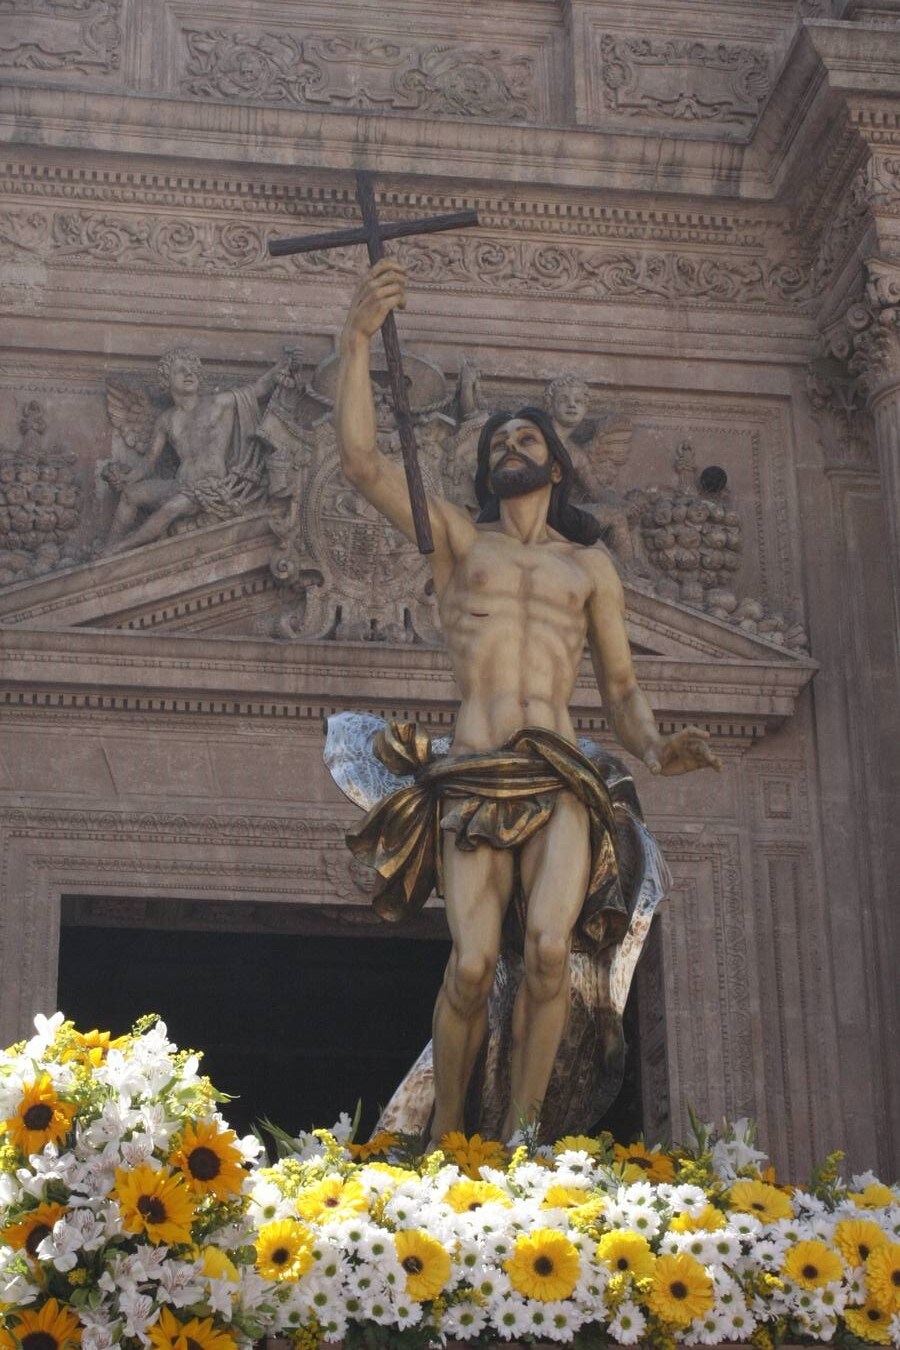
pixel 693 213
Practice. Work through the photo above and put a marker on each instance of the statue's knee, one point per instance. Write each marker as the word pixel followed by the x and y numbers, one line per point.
pixel 546 961
pixel 471 977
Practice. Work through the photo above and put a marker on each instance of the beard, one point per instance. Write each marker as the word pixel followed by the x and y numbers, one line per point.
pixel 518 482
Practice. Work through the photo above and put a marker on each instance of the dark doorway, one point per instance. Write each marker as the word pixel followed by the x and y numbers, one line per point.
pixel 297 1026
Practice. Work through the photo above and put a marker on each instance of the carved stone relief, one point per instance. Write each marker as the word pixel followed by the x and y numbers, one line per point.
pixel 40 499
pixel 683 80
pixel 341 72
pixel 486 264
pixel 60 37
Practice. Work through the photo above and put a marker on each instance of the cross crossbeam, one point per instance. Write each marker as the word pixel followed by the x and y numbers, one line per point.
pixel 373 234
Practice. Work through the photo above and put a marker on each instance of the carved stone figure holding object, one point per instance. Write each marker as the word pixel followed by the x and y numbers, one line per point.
pixel 518 804
pixel 212 436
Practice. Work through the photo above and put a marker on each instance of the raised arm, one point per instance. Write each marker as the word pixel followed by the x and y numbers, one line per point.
pixel 630 715
pixel 380 480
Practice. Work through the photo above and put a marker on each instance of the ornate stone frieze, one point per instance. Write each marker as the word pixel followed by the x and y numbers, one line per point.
pixel 683 80
pixel 845 229
pixel 40 501
pixel 314 203
pixel 479 262
pixel 59 37
pixel 345 72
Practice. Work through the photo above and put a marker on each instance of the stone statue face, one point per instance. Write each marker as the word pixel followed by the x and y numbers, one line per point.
pixel 568 404
pixel 520 459
pixel 185 377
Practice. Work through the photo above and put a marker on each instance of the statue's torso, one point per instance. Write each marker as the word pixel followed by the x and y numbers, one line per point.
pixel 201 437
pixel 515 618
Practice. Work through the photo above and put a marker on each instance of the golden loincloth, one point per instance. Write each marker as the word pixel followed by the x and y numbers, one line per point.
pixel 501 798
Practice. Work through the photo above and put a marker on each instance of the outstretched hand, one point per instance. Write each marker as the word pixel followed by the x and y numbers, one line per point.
pixel 686 750
pixel 381 290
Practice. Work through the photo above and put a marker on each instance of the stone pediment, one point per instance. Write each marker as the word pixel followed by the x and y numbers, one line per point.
pixel 211 593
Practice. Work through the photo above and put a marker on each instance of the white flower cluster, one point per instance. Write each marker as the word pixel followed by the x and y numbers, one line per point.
pixel 69 1227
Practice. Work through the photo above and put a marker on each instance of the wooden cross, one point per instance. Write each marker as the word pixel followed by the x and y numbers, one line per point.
pixel 373 234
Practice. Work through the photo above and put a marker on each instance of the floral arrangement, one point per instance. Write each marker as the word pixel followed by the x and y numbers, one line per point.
pixel 122 1213
pixel 131 1215
pixel 586 1243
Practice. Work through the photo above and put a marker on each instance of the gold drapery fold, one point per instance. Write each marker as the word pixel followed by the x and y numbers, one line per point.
pixel 501 798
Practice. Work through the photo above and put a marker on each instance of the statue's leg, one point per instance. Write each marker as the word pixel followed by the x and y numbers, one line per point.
pixel 555 865
pixel 477 889
pixel 155 526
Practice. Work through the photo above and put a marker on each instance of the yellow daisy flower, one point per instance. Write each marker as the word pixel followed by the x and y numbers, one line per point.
pixel 626 1253
pixel 209 1160
pixel 869 1323
pixel 856 1239
pixel 709 1220
pixel 167 1333
pixel 426 1262
pixel 765 1202
pixel 470 1155
pixel 32 1228
pixel 331 1198
pixel 381 1142
pixel 811 1264
pixel 875 1196
pixel 467 1195
pixel 883 1276
pixel 544 1265
pixel 40 1118
pixel 283 1250
pixel 52 1327
pixel 577 1143
pixel 564 1197
pixel 681 1289
pixel 652 1165
pixel 392 1170
pixel 155 1203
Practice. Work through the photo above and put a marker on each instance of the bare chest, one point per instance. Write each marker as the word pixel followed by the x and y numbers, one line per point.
pixel 499 574
pixel 192 432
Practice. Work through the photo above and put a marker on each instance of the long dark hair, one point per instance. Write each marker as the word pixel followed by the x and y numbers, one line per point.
pixel 570 521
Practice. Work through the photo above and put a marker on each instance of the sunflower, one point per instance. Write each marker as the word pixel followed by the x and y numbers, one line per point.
pixel 681 1289
pixel 544 1265
pixel 209 1160
pixel 167 1333
pixel 626 1253
pixel 811 1264
pixel 764 1202
pixel 467 1195
pixel 50 1328
pixel 470 1155
pixel 40 1118
pixel 869 1323
pixel 709 1220
pixel 883 1276
pixel 651 1164
pixel 578 1143
pixel 856 1239
pixel 426 1262
pixel 32 1228
pixel 90 1047
pixel 875 1196
pixel 332 1198
pixel 377 1146
pixel 155 1203
pixel 283 1250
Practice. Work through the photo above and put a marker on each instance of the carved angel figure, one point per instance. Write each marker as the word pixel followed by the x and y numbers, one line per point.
pixel 599 445
pixel 212 435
